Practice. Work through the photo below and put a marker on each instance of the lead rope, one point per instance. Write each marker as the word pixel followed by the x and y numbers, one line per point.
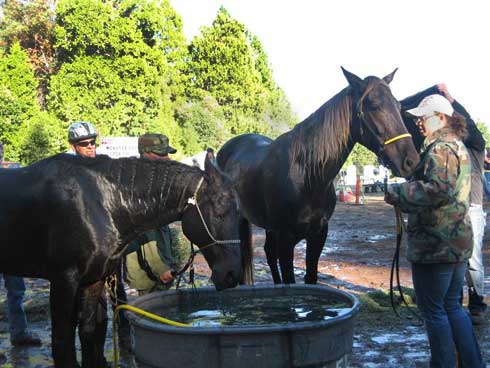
pixel 395 267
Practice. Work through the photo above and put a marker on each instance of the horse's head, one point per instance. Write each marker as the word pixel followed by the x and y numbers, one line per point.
pixel 212 223
pixel 380 125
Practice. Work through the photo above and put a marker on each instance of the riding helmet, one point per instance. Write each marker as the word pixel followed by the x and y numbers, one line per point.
pixel 81 130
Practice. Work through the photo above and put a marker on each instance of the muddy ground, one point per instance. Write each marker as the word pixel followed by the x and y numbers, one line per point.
pixel 357 258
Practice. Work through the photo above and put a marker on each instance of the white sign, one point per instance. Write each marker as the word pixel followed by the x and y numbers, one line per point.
pixel 116 147
pixel 196 160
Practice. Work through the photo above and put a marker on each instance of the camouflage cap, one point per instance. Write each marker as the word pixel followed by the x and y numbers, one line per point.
pixel 156 143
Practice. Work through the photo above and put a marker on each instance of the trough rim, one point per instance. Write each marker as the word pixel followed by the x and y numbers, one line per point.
pixel 146 324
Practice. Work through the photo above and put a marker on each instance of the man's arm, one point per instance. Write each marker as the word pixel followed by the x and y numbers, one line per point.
pixel 475 139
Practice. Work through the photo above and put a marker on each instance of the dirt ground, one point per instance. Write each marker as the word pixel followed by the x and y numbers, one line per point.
pixel 357 258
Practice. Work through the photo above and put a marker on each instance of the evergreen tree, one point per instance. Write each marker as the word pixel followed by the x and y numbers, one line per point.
pixel 222 65
pixel 229 63
pixel 206 117
pixel 17 93
pixel 113 70
pixel 30 23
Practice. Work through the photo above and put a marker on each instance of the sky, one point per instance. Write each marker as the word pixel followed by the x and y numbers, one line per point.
pixel 307 41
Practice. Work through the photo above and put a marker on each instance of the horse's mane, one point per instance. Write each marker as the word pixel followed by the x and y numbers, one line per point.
pixel 133 173
pixel 322 136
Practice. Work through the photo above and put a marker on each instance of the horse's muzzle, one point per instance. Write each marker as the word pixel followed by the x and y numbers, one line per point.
pixel 226 280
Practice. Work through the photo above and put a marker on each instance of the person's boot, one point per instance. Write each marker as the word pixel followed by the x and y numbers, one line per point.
pixel 26 339
pixel 476 307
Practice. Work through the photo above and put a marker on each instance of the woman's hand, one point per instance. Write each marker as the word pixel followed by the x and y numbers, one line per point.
pixel 391 197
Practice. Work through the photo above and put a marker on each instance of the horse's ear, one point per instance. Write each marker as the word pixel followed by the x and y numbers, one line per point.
pixel 212 171
pixel 390 76
pixel 353 79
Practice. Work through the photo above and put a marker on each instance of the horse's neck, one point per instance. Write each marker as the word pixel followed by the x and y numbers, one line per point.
pixel 321 143
pixel 156 199
pixel 329 172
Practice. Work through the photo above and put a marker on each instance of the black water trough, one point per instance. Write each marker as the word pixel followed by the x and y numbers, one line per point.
pixel 323 343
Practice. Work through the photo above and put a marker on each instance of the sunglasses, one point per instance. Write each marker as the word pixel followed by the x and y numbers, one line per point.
pixel 423 119
pixel 86 143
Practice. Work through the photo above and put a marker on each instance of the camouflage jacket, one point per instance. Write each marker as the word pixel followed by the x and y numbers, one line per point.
pixel 437 200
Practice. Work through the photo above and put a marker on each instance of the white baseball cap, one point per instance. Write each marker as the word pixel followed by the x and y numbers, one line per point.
pixel 432 104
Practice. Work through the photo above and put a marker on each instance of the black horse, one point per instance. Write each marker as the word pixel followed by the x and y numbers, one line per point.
pixel 68 219
pixel 286 185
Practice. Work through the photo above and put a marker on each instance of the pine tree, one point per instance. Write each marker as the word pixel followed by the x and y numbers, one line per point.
pixel 17 93
pixel 113 70
pixel 229 63
pixel 30 23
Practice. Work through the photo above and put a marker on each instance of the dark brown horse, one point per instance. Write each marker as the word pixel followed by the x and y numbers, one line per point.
pixel 68 219
pixel 286 185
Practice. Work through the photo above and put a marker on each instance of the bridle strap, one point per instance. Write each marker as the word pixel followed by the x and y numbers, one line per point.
pixel 193 201
pixel 362 118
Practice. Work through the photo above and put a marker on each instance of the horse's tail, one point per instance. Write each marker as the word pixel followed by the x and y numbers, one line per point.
pixel 246 247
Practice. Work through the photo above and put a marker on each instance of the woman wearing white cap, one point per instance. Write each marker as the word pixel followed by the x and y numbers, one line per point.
pixel 439 231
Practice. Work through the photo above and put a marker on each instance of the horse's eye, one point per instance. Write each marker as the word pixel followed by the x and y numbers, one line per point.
pixel 372 106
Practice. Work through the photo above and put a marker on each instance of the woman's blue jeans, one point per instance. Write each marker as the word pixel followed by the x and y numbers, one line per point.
pixel 15 311
pixel 438 291
pixel 486 184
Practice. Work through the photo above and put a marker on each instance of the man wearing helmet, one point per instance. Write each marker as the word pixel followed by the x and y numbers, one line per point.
pixel 82 135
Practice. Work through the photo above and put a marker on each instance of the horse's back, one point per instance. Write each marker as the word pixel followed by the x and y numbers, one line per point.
pixel 243 148
pixel 41 205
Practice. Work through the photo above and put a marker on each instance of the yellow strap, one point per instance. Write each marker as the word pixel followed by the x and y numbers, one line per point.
pixel 142 313
pixel 391 140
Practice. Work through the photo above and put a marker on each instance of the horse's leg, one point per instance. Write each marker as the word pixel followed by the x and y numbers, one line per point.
pixel 93 325
pixel 63 296
pixel 314 247
pixel 285 247
pixel 270 248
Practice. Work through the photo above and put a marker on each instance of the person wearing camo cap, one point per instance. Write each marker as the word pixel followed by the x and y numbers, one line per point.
pixel 155 146
pixel 148 260
pixel 151 258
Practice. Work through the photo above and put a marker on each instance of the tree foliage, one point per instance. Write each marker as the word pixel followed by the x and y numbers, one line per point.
pixel 112 69
pixel 17 96
pixel 30 23
pixel 485 131
pixel 125 65
pixel 228 62
pixel 360 157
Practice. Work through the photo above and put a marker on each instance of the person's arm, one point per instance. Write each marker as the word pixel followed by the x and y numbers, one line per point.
pixel 437 188
pixel 409 120
pixel 165 252
pixel 474 139
pixel 413 101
